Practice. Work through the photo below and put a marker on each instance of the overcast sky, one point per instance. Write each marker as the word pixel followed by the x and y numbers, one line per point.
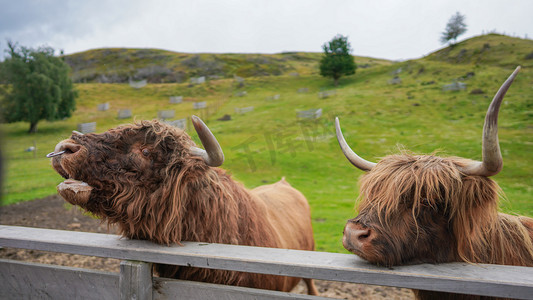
pixel 391 29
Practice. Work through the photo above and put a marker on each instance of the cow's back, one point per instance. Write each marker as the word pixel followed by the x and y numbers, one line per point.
pixel 289 214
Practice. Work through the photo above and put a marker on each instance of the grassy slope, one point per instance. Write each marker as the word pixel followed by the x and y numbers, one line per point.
pixel 91 65
pixel 270 142
pixel 493 49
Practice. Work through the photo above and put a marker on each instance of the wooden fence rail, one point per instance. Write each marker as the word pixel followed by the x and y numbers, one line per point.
pixel 23 280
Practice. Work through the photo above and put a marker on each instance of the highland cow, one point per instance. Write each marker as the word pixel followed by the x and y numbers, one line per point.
pixel 431 209
pixel 154 183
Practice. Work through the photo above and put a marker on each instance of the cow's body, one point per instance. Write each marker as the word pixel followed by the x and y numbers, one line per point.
pixel 431 209
pixel 275 216
pixel 151 181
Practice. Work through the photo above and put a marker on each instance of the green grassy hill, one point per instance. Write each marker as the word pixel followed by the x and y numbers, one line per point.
pixel 118 65
pixel 270 142
pixel 493 49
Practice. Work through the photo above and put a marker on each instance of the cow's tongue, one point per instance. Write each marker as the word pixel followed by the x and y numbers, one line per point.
pixel 74 191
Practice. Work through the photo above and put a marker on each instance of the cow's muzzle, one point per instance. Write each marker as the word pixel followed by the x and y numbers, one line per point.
pixel 357 237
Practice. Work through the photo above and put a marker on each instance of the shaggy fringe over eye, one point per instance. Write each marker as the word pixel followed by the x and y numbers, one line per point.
pixel 482 235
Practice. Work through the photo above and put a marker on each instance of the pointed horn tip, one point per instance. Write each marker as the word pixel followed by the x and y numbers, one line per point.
pixel 197 123
pixel 515 72
pixel 195 119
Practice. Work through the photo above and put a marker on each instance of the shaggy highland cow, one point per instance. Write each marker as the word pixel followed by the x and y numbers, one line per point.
pixel 431 209
pixel 154 183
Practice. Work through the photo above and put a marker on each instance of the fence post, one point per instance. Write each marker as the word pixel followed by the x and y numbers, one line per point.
pixel 135 280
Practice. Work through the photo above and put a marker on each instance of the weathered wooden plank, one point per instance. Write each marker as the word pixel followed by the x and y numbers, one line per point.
pixel 199 105
pixel 165 114
pixel 481 279
pixel 189 290
pixel 22 280
pixel 176 99
pixel 310 114
pixel 124 113
pixel 180 123
pixel 243 110
pixel 135 280
pixel 87 127
pixel 103 106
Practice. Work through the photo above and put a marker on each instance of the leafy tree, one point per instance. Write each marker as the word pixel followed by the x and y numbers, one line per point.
pixel 337 60
pixel 39 86
pixel 455 27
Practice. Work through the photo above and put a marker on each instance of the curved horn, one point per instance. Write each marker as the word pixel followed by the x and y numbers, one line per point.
pixel 212 155
pixel 355 159
pixel 492 158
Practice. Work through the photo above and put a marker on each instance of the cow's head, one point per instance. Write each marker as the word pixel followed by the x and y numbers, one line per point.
pixel 426 208
pixel 129 173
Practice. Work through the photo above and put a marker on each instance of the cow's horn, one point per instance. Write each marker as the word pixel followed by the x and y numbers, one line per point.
pixel 355 159
pixel 212 155
pixel 492 157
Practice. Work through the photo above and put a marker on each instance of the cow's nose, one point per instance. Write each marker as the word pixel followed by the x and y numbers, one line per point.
pixel 356 236
pixel 67 146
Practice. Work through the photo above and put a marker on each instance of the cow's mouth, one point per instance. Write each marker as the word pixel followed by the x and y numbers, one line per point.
pixel 65 158
pixel 74 191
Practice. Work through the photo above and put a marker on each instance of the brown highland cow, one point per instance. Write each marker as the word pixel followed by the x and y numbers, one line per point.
pixel 431 209
pixel 154 183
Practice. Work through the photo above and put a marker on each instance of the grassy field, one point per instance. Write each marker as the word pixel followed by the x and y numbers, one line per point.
pixel 271 142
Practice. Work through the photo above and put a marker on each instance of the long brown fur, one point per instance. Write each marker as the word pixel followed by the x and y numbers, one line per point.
pixel 422 209
pixel 173 196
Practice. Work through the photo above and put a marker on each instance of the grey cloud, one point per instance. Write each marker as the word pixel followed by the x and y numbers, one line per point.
pixel 57 17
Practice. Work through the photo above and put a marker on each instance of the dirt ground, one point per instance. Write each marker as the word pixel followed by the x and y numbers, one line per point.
pixel 54 213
